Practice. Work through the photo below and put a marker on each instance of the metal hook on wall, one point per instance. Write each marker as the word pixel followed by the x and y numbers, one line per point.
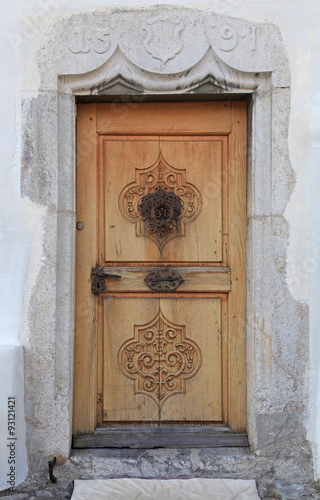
pixel 51 464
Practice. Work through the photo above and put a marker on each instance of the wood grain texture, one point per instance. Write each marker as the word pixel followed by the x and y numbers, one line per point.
pixel 199 163
pixel 195 399
pixel 237 261
pixel 162 118
pixel 198 279
pixel 84 399
pixel 202 400
pixel 120 402
pixel 182 436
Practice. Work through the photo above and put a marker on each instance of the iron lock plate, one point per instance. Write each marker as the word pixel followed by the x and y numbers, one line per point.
pixel 163 279
pixel 98 275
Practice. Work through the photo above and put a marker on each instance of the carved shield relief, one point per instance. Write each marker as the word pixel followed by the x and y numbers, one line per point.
pixel 163 37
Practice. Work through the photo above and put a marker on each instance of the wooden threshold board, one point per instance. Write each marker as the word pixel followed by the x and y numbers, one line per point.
pixel 168 436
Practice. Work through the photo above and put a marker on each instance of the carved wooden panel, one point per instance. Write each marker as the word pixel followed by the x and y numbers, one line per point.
pixel 157 369
pixel 159 359
pixel 191 167
pixel 148 180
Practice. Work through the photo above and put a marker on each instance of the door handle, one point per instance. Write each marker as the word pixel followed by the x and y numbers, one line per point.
pixel 107 275
pixel 161 211
pixel 98 274
pixel 104 271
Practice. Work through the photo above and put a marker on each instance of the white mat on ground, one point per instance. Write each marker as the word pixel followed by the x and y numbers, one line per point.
pixel 165 489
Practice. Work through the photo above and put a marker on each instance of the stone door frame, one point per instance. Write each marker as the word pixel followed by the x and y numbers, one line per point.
pixel 116 55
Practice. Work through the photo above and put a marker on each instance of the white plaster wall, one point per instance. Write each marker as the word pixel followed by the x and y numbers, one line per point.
pixel 12 451
pixel 314 238
pixel 23 24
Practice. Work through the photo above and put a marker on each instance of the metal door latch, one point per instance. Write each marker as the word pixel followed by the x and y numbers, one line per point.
pixel 163 279
pixel 98 284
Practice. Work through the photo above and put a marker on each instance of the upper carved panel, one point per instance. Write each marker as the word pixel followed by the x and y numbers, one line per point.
pixel 165 178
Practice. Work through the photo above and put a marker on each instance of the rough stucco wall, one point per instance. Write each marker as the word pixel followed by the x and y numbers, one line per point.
pixel 22 224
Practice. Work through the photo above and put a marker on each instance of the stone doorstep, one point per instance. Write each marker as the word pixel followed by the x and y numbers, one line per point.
pixel 312 492
pixel 54 493
pixel 161 463
pixel 166 463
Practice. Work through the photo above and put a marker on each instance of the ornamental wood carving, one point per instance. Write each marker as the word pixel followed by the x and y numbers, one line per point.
pixel 159 358
pixel 162 176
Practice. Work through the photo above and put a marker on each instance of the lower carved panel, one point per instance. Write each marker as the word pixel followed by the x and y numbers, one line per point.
pixel 159 358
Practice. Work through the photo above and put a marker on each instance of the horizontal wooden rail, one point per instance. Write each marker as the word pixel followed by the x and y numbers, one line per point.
pixel 196 279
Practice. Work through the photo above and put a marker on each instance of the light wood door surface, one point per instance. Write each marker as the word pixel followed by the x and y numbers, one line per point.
pixel 161 212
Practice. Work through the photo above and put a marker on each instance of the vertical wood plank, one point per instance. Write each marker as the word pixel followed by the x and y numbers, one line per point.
pixel 118 240
pixel 201 398
pixel 237 262
pixel 84 401
pixel 123 401
pixel 225 200
pixel 224 359
pixel 200 158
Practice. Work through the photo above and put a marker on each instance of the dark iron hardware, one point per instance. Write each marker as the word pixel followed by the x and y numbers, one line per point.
pixel 98 284
pixel 163 279
pixel 161 211
pixel 51 464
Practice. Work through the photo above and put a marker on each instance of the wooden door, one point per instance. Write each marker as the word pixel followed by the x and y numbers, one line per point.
pixel 161 211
